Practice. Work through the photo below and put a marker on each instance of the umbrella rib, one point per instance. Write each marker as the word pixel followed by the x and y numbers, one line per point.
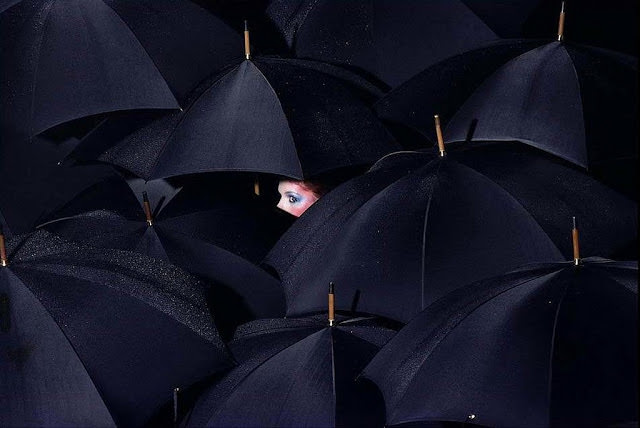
pixel 552 350
pixel 424 237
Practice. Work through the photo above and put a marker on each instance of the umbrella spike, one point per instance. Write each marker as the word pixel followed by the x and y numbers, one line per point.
pixel 3 249
pixel 436 118
pixel 256 186
pixel 576 243
pixel 247 45
pixel 175 405
pixel 147 208
pixel 561 23
pixel 332 301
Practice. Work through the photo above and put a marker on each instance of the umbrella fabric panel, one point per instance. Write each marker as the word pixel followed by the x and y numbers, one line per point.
pixel 443 87
pixel 4 227
pixel 553 191
pixel 265 115
pixel 381 37
pixel 43 382
pixel 241 122
pixel 582 111
pixel 331 126
pixel 82 46
pixel 539 87
pixel 101 336
pixel 552 343
pixel 411 240
pixel 186 42
pixel 292 370
pixel 120 342
pixel 598 320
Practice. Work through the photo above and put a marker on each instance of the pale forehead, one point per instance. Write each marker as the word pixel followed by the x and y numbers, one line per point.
pixel 291 186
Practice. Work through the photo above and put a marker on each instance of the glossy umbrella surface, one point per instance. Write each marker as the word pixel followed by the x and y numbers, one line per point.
pixel 545 345
pixel 297 372
pixel 97 337
pixel 418 226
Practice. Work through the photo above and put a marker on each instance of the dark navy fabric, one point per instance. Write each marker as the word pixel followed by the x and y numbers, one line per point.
pixel 418 226
pixel 131 327
pixel 269 115
pixel 547 345
pixel 296 372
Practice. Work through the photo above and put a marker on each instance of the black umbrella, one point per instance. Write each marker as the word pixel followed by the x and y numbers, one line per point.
pixel 546 345
pixel 287 117
pixel 297 372
pixel 63 60
pixel 419 225
pixel 97 337
pixel 210 231
pixel 4 227
pixel 577 102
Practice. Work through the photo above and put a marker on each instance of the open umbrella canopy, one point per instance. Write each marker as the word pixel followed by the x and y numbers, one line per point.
pixel 63 60
pixel 387 39
pixel 418 226
pixel 546 345
pixel 97 337
pixel 574 101
pixel 297 373
pixel 287 117
pixel 216 234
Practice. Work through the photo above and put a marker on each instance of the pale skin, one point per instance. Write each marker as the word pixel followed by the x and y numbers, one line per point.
pixel 295 197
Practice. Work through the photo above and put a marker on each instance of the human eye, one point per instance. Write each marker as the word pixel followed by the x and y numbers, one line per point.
pixel 293 198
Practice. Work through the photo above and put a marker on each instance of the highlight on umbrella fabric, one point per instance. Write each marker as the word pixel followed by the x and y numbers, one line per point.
pixel 419 225
pixel 97 336
pixel 546 345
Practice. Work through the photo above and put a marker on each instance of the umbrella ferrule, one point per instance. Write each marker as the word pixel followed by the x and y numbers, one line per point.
pixel 436 118
pixel 146 206
pixel 561 24
pixel 247 44
pixel 575 238
pixel 3 252
pixel 332 303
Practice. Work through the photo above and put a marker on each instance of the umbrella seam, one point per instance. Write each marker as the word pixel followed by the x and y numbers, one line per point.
pixel 552 350
pixel 299 27
pixel 424 235
pixel 581 104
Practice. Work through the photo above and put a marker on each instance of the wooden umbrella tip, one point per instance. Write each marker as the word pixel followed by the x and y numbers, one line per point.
pixel 247 43
pixel 436 119
pixel 575 239
pixel 332 304
pixel 3 250
pixel 561 22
